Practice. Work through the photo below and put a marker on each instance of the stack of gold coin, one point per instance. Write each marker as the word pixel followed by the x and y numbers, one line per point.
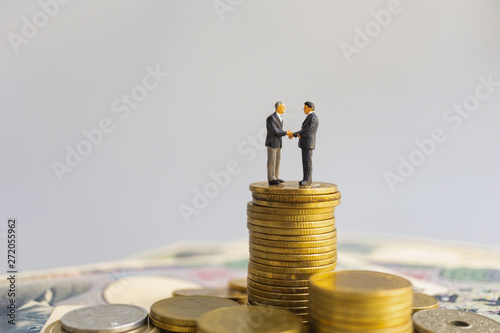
pixel 292 236
pixel 179 314
pixel 360 301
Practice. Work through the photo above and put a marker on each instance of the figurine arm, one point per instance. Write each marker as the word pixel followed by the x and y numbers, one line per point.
pixel 306 127
pixel 274 128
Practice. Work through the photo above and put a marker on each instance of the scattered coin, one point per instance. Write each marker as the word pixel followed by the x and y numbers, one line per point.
pixel 183 311
pixel 238 296
pixel 239 284
pixel 112 318
pixel 55 327
pixel 453 321
pixel 424 302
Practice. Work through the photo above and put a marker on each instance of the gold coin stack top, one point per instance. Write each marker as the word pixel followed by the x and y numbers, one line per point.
pixel 360 301
pixel 292 236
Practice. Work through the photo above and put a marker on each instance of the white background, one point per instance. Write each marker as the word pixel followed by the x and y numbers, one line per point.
pixel 226 71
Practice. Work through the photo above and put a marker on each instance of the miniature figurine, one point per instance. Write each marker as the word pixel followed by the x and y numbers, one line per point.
pixel 307 141
pixel 274 125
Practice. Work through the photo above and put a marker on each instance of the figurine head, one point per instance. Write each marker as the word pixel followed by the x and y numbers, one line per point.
pixel 308 107
pixel 280 107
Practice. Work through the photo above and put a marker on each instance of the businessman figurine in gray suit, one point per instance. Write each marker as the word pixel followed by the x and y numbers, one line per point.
pixel 307 141
pixel 274 125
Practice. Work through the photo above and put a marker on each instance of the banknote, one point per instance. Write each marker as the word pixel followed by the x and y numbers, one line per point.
pixel 461 276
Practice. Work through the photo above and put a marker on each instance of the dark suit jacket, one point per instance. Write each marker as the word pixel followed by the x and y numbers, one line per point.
pixel 308 132
pixel 274 131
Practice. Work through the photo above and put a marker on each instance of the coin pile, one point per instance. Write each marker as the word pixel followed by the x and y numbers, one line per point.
pixel 292 236
pixel 360 301
pixel 249 319
pixel 111 318
pixel 179 314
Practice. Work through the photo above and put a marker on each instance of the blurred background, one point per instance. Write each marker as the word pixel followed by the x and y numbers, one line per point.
pixel 128 125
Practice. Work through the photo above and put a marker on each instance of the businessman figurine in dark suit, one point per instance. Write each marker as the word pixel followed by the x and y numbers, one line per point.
pixel 274 125
pixel 307 141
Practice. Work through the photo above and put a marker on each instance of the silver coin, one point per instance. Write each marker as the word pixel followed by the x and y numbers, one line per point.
pixel 55 327
pixel 453 321
pixel 104 318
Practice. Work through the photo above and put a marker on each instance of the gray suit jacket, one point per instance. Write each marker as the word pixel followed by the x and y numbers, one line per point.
pixel 274 131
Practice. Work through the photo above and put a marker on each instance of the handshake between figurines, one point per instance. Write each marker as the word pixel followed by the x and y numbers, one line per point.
pixel 290 135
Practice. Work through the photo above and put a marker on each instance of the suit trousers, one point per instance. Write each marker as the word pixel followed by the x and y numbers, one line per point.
pixel 307 164
pixel 273 163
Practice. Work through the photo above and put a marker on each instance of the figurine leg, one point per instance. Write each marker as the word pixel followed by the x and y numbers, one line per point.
pixel 307 166
pixel 271 165
pixel 277 171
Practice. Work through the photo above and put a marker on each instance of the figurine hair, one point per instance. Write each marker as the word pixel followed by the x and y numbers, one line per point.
pixel 309 105
pixel 278 103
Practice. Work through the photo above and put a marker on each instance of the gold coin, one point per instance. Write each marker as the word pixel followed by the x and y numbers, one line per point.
pixel 277 302
pixel 294 238
pixel 234 295
pixel 293 258
pixel 239 284
pixel 359 308
pixel 276 289
pixel 183 311
pixel 292 225
pixel 293 243
pixel 280 276
pixel 279 282
pixel 292 231
pixel 424 302
pixel 292 251
pixel 172 328
pixel 55 327
pixel 290 218
pixel 291 264
pixel 302 310
pixel 278 296
pixel 251 319
pixel 353 314
pixel 368 303
pixel 288 211
pixel 364 321
pixel 293 188
pixel 297 198
pixel 296 205
pixel 288 270
pixel 322 327
pixel 360 285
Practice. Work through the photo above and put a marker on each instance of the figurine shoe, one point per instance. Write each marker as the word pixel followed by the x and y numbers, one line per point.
pixel 305 182
pixel 274 182
pixel 281 181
